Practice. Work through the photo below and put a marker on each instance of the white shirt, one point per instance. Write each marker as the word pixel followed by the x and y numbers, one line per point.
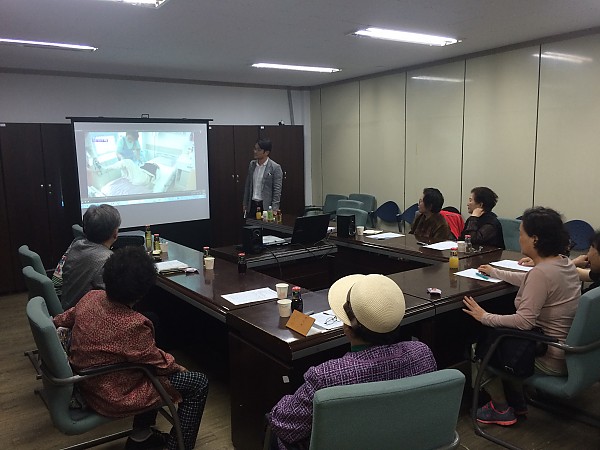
pixel 257 180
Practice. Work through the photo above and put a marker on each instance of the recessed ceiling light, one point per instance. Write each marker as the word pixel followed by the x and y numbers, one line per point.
pixel 55 45
pixel 405 36
pixel 148 3
pixel 292 67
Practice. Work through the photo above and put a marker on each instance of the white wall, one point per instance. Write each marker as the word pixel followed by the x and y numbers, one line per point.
pixel 524 125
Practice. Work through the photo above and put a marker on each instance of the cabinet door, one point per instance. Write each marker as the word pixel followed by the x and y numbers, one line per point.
pixel 224 209
pixel 62 187
pixel 24 182
pixel 288 150
pixel 7 274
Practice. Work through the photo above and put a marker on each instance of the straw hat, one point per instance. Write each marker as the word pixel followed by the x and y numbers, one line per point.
pixel 376 300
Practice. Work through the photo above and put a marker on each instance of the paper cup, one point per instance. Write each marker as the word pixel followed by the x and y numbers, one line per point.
pixel 164 247
pixel 285 307
pixel 209 262
pixel 462 246
pixel 360 230
pixel 282 290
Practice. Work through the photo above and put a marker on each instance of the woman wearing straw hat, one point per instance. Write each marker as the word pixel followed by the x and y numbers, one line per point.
pixel 371 308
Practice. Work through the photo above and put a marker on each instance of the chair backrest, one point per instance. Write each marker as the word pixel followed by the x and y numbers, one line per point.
pixel 510 231
pixel 455 222
pixel 77 231
pixel 451 209
pixel 584 368
pixel 419 412
pixel 42 286
pixel 31 258
pixel 580 233
pixel 368 200
pixel 388 211
pixel 350 204
pixel 330 204
pixel 54 361
pixel 360 216
pixel 408 216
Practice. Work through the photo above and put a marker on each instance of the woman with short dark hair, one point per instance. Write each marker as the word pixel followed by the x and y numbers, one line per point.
pixel 547 298
pixel 483 225
pixel 429 225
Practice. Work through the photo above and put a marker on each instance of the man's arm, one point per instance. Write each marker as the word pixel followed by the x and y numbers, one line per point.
pixel 277 186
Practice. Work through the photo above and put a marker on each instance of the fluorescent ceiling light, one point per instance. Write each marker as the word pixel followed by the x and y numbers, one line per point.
pixel 405 36
pixel 150 3
pixel 42 44
pixel 564 57
pixel 291 67
pixel 429 78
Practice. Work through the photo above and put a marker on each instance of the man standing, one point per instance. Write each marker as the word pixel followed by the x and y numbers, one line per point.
pixel 264 180
pixel 82 270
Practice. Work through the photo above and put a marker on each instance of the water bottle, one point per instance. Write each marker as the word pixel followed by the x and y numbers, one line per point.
pixel 297 303
pixel 270 214
pixel 468 244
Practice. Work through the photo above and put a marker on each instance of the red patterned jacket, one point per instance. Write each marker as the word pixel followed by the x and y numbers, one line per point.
pixel 105 332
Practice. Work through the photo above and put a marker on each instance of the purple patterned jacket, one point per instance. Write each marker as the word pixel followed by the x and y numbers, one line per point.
pixel 291 418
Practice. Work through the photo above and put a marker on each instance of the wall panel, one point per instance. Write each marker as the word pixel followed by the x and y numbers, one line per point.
pixel 499 129
pixel 316 170
pixel 382 146
pixel 568 131
pixel 339 138
pixel 434 117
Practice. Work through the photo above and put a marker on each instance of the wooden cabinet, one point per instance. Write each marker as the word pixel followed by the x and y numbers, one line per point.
pixel 39 197
pixel 229 153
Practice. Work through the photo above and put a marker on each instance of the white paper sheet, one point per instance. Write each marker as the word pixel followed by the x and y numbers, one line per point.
pixel 510 264
pixel 170 266
pixel 255 295
pixel 327 320
pixel 383 236
pixel 472 273
pixel 372 231
pixel 445 245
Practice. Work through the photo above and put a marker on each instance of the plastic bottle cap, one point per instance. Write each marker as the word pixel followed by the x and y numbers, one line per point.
pixel 241 254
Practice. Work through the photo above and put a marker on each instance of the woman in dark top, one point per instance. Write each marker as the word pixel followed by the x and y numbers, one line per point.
pixel 483 225
pixel 430 226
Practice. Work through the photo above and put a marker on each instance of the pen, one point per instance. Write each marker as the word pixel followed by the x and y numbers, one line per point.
pixel 482 275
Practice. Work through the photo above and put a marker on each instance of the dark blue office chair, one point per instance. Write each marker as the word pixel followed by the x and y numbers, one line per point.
pixel 388 212
pixel 408 216
pixel 580 233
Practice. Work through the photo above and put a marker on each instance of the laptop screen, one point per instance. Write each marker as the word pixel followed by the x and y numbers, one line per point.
pixel 310 229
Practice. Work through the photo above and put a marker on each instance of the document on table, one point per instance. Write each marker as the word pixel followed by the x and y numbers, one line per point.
pixel 475 274
pixel 382 236
pixel 510 264
pixel 445 245
pixel 171 266
pixel 255 295
pixel 327 320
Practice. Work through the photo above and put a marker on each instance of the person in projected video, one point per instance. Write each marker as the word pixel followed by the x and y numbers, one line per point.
pixel 128 147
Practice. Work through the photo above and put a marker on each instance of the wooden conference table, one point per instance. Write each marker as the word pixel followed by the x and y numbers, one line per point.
pixel 267 360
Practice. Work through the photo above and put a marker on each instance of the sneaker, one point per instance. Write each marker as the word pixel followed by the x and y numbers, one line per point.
pixel 156 441
pixel 489 414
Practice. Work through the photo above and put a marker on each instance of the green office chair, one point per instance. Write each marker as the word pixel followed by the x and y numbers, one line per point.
pixel 510 231
pixel 347 203
pixel 419 412
pixel 369 205
pixel 42 286
pixel 329 206
pixel 582 352
pixel 360 215
pixel 59 379
pixel 30 258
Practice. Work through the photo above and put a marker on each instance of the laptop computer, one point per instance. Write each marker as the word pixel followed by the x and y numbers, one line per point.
pixel 309 230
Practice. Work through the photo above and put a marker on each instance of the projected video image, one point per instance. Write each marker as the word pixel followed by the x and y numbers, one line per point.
pixel 130 162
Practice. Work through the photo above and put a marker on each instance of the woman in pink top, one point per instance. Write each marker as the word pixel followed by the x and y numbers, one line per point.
pixel 548 297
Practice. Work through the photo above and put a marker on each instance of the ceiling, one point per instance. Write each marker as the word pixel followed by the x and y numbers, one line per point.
pixel 218 40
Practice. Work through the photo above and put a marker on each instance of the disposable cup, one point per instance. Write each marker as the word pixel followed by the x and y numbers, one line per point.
pixel 285 307
pixel 282 290
pixel 360 230
pixel 209 262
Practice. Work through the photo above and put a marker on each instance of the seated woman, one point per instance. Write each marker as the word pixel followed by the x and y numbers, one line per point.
pixel 106 330
pixel 483 225
pixel 430 226
pixel 548 297
pixel 588 265
pixel 371 308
